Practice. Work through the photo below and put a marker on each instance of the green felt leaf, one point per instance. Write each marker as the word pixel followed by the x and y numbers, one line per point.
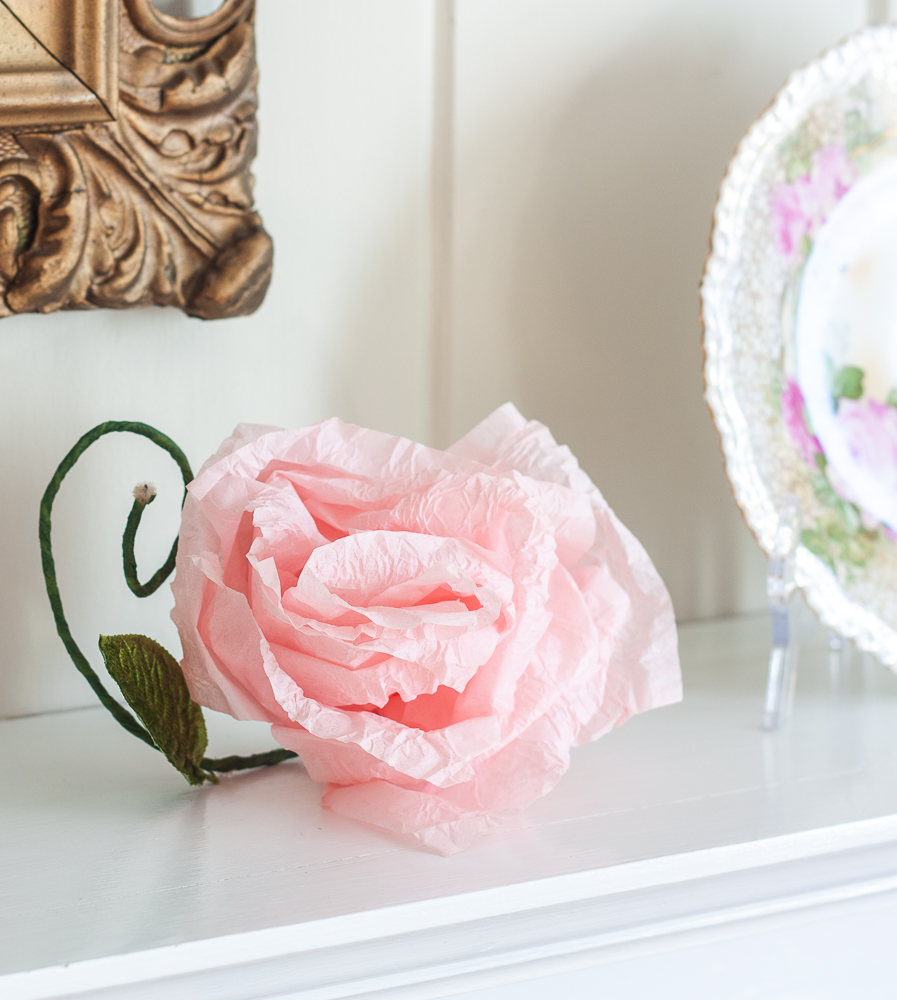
pixel 848 383
pixel 153 685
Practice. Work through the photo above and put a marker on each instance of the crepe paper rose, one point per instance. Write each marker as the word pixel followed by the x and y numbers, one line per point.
pixel 794 413
pixel 431 631
pixel 801 208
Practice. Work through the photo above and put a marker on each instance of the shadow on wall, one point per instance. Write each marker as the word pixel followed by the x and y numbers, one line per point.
pixel 606 314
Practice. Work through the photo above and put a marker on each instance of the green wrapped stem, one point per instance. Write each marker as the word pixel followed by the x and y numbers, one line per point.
pixel 224 764
pixel 121 714
pixel 130 560
pixel 118 711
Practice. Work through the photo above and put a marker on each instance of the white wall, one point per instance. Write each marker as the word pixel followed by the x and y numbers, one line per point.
pixel 553 259
pixel 591 140
pixel 342 185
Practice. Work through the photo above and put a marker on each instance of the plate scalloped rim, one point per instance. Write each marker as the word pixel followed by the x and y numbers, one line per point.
pixel 788 108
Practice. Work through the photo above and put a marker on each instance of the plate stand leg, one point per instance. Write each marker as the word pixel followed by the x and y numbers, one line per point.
pixel 780 683
pixel 780 586
pixel 835 663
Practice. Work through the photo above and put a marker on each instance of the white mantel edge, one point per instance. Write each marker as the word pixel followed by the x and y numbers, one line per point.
pixel 278 942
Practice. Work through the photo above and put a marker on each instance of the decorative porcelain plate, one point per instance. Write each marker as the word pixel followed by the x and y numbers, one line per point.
pixel 800 318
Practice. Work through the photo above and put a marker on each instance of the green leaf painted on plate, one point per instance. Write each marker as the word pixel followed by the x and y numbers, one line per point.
pixel 835 545
pixel 153 685
pixel 797 153
pixel 847 383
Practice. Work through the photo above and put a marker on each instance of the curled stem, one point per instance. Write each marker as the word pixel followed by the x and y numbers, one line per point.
pixel 130 560
pixel 118 711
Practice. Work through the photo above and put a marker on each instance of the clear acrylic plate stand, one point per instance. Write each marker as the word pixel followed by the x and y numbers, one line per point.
pixel 780 587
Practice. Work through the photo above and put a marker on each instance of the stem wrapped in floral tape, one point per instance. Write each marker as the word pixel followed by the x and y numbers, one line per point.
pixel 149 677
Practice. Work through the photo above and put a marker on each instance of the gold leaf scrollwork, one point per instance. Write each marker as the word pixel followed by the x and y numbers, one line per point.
pixel 156 206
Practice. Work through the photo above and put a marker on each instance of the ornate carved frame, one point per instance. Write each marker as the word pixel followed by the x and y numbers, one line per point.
pixel 126 140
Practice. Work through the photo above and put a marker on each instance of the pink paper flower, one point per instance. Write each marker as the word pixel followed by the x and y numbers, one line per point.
pixel 430 631
pixel 870 429
pixel 795 416
pixel 799 209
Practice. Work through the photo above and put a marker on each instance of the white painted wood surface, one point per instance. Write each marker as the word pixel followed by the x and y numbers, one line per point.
pixel 472 201
pixel 685 844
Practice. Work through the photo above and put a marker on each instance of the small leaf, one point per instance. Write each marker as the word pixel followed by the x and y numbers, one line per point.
pixel 892 398
pixel 153 685
pixel 848 383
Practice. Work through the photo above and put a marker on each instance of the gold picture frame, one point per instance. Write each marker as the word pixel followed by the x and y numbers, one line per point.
pixel 58 62
pixel 126 142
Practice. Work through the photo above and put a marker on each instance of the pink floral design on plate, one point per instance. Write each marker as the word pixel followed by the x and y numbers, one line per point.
pixel 870 429
pixel 800 209
pixel 795 416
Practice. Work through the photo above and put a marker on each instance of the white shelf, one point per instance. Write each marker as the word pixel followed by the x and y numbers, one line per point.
pixel 119 881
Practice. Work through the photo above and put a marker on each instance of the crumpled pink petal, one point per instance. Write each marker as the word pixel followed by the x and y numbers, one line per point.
pixel 430 631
